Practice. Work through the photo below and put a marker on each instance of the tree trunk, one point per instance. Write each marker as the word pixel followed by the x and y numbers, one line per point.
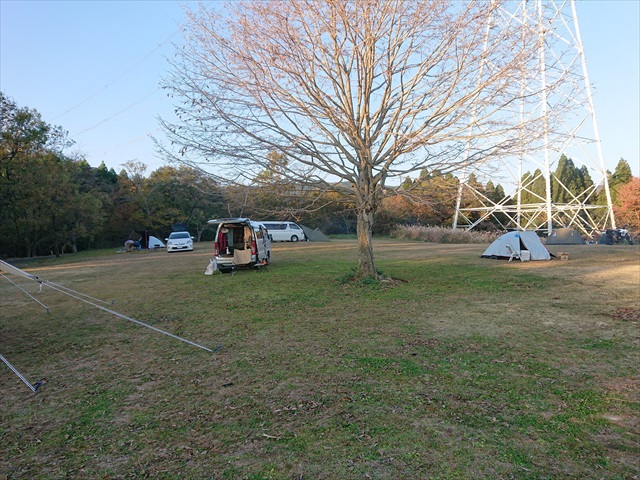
pixel 366 265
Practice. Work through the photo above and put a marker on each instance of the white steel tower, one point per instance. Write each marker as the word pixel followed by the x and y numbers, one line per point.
pixel 540 197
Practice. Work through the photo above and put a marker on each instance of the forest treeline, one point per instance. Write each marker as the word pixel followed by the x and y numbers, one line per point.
pixel 52 203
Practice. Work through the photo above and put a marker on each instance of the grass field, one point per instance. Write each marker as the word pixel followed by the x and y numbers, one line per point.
pixel 469 368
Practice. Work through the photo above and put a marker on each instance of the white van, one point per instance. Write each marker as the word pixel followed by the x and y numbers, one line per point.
pixel 285 231
pixel 239 242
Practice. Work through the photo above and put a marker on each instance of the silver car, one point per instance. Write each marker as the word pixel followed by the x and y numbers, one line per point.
pixel 239 242
pixel 179 242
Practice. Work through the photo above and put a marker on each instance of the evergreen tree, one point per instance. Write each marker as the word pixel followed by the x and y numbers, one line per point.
pixel 534 188
pixel 585 180
pixel 565 182
pixel 622 174
pixel 490 190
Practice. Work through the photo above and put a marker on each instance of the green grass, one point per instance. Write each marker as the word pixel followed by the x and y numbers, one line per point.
pixel 469 368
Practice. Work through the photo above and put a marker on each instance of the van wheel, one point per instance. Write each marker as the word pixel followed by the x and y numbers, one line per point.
pixel 294 238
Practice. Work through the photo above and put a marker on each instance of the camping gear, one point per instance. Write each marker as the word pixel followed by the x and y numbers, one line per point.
pixel 314 235
pixel 212 267
pixel 147 241
pixel 611 236
pixel 77 295
pixel 513 245
pixel 564 236
pixel 25 292
pixel 154 242
pixel 8 268
pixel 34 388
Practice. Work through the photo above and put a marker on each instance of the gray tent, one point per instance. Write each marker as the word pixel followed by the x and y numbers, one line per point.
pixel 314 235
pixel 564 236
pixel 519 245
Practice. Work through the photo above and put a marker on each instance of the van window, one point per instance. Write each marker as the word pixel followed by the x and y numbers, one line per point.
pixel 294 226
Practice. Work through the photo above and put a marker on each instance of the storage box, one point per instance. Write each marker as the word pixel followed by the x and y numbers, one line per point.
pixel 525 255
pixel 563 255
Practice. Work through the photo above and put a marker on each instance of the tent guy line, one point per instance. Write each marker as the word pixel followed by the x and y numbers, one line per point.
pixel 124 317
pixel 24 291
pixel 6 267
pixel 78 296
pixel 33 388
pixel 56 286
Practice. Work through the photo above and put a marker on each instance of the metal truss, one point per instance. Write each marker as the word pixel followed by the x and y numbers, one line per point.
pixel 561 61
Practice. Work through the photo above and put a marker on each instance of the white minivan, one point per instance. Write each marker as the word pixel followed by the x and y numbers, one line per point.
pixel 285 231
pixel 240 242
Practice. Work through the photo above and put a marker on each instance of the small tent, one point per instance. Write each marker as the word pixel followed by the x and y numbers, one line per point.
pixel 154 242
pixel 150 242
pixel 314 235
pixel 607 238
pixel 564 236
pixel 520 245
pixel 147 241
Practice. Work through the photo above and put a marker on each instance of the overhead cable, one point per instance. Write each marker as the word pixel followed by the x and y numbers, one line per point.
pixel 116 79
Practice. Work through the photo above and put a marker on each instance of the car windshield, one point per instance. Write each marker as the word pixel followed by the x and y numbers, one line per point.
pixel 175 235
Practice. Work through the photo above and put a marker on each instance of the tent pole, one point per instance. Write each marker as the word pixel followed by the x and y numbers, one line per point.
pixel 33 389
pixel 67 291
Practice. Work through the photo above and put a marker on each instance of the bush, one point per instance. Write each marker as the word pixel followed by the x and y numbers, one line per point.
pixel 443 235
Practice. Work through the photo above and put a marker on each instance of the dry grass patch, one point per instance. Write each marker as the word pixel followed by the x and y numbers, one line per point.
pixel 446 235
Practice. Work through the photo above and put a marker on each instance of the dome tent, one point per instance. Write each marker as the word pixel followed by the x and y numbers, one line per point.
pixel 512 245
pixel 564 236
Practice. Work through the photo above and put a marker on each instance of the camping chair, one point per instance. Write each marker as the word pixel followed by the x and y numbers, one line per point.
pixel 513 253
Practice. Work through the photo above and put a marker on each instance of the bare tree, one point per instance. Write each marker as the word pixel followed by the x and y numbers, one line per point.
pixel 354 93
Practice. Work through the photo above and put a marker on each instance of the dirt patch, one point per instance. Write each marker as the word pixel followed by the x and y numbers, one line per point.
pixel 630 314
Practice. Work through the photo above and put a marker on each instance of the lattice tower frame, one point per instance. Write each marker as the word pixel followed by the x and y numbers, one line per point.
pixel 560 53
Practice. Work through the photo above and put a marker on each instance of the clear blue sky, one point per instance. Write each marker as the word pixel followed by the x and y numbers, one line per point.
pixel 94 68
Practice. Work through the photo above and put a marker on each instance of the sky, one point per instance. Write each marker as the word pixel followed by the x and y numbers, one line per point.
pixel 95 69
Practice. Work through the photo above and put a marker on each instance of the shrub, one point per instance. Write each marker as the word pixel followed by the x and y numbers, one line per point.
pixel 443 235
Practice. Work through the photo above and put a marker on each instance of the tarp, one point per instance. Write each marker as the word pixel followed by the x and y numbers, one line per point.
pixel 314 235
pixel 564 236
pixel 513 244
